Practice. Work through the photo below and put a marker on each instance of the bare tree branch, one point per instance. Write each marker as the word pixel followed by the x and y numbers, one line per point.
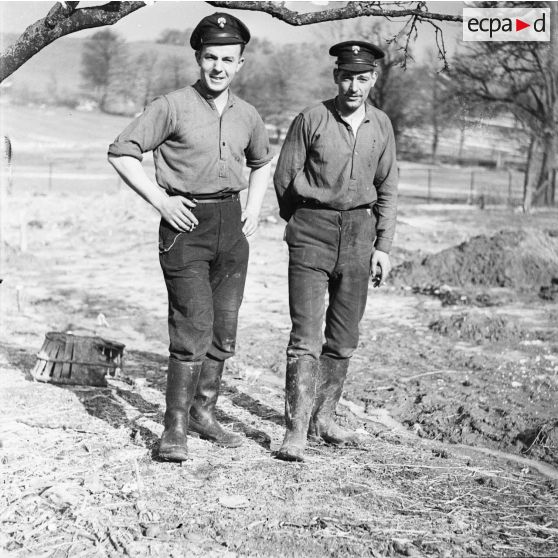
pixel 59 11
pixel 65 18
pixel 351 10
pixel 59 22
pixel 440 45
pixel 415 12
pixel 411 34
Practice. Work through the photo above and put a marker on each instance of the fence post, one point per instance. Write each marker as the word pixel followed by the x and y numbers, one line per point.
pixel 471 188
pixel 19 298
pixel 510 178
pixel 429 185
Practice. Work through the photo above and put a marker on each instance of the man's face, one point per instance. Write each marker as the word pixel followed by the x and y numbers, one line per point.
pixel 353 88
pixel 218 66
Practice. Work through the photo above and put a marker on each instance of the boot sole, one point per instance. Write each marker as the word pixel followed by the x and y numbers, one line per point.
pixel 174 454
pixel 285 455
pixel 351 439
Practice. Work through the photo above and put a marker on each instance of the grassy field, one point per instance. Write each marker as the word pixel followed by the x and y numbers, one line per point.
pixel 57 148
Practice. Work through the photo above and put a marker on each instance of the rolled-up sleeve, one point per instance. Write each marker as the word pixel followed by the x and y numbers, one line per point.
pixel 258 153
pixel 291 161
pixel 146 132
pixel 386 181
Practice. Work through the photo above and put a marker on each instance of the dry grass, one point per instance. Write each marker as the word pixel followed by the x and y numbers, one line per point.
pixel 80 476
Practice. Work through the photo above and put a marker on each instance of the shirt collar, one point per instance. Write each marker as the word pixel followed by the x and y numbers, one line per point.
pixel 203 92
pixel 367 110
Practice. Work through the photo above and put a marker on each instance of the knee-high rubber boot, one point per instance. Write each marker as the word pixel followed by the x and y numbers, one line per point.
pixel 202 412
pixel 331 377
pixel 182 378
pixel 299 398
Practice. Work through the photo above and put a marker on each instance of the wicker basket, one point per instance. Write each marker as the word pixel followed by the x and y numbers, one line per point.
pixel 66 358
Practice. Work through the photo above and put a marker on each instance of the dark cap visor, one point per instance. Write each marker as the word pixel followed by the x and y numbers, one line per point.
pixel 222 39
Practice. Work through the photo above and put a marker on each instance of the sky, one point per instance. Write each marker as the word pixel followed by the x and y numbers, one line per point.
pixel 147 23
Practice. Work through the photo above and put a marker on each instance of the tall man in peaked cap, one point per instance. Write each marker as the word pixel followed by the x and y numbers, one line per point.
pixel 200 137
pixel 336 184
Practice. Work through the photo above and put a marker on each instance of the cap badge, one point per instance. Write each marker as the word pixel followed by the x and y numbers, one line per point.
pixel 355 49
pixel 221 22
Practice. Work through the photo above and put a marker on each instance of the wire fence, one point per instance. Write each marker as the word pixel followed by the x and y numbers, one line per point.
pixel 57 176
pixel 462 185
pixel 428 184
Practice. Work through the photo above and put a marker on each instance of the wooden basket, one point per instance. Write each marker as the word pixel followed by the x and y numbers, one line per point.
pixel 66 358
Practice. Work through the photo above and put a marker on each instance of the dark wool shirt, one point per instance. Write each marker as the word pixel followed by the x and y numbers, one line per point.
pixel 195 150
pixel 322 161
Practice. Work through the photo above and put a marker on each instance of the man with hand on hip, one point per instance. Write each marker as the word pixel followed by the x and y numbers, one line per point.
pixel 200 137
pixel 336 184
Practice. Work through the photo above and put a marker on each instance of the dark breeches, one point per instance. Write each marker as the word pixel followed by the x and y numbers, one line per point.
pixel 205 273
pixel 329 252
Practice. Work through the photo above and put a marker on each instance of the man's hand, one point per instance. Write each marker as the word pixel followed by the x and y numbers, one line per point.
pixel 250 220
pixel 380 266
pixel 175 211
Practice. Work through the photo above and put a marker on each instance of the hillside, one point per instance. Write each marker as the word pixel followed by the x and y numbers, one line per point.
pixel 56 70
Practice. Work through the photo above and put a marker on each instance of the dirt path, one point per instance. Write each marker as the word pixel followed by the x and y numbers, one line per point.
pixel 80 476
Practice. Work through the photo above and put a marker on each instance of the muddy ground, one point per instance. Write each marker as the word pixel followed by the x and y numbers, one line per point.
pixel 455 383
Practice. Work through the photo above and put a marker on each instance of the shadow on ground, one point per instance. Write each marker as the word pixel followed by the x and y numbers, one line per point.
pixel 109 404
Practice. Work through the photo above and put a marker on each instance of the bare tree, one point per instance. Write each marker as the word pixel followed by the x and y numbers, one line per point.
pixel 65 18
pixel 438 104
pixel 144 84
pixel 521 78
pixel 100 53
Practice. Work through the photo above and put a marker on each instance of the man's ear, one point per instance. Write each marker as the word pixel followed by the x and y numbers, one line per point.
pixel 374 77
pixel 240 63
pixel 336 75
pixel 198 56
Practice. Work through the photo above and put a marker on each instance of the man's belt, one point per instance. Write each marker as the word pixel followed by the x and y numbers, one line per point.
pixel 315 204
pixel 209 198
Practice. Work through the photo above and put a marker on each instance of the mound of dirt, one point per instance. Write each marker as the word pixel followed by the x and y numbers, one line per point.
pixel 524 258
pixel 479 328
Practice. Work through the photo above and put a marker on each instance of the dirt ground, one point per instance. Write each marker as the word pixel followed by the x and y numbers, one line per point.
pixel 454 385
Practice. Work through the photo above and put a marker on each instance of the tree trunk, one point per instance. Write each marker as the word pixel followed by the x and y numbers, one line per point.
pixel 528 178
pixel 541 194
pixel 541 183
pixel 435 139
pixel 435 121
pixel 551 136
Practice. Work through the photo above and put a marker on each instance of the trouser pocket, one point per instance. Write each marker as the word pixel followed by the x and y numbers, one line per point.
pixel 167 237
